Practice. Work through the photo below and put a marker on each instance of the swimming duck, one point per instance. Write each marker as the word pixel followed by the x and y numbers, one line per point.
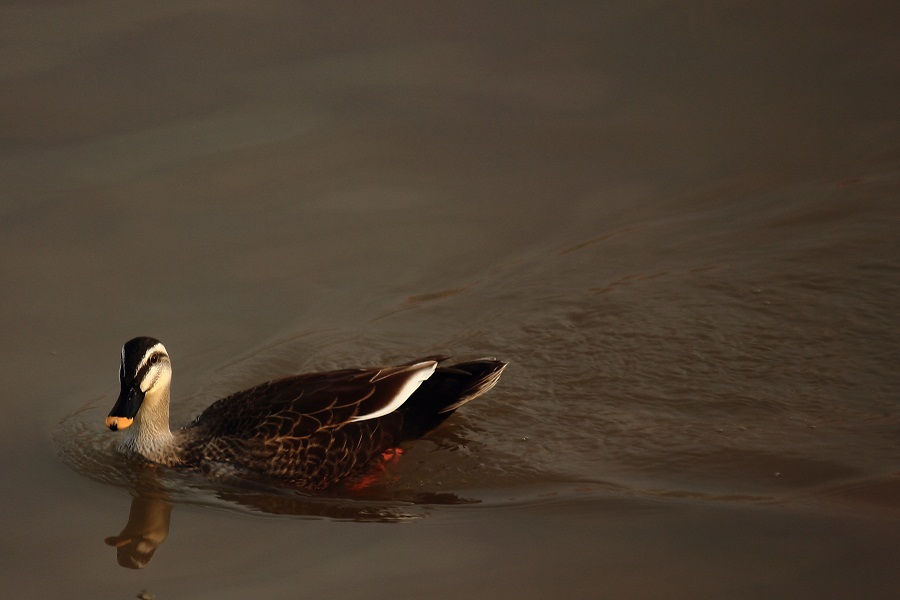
pixel 311 430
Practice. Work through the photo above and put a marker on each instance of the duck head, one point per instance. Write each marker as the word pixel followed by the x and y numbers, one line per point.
pixel 145 372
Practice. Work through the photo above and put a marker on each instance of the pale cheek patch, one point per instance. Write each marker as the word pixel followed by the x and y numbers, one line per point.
pixel 159 376
pixel 154 372
pixel 149 379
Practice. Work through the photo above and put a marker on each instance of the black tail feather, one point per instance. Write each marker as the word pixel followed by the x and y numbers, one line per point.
pixel 449 388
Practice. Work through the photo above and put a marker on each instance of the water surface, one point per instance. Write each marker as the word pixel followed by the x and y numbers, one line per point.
pixel 678 225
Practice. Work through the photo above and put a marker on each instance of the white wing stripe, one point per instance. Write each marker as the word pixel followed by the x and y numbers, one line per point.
pixel 423 372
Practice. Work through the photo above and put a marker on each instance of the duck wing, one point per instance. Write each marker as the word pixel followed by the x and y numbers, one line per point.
pixel 302 405
pixel 310 429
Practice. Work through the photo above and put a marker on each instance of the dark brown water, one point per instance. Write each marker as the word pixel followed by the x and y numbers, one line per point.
pixel 679 225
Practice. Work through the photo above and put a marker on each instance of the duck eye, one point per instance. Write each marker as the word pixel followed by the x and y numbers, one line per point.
pixel 154 359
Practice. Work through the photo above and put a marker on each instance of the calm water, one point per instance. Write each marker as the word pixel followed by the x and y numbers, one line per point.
pixel 679 226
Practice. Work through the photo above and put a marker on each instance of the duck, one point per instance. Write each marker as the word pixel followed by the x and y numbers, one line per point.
pixel 312 431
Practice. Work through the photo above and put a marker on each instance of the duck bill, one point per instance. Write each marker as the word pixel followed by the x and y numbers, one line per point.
pixel 126 407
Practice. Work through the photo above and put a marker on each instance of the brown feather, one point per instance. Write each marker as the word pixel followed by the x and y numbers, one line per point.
pixel 300 429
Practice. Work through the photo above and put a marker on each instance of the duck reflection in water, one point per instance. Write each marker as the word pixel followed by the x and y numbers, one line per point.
pixel 151 509
pixel 146 530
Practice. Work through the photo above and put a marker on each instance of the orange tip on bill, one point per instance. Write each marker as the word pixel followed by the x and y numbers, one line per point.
pixel 117 423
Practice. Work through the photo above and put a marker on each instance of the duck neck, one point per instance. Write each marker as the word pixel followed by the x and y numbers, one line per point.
pixel 150 435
